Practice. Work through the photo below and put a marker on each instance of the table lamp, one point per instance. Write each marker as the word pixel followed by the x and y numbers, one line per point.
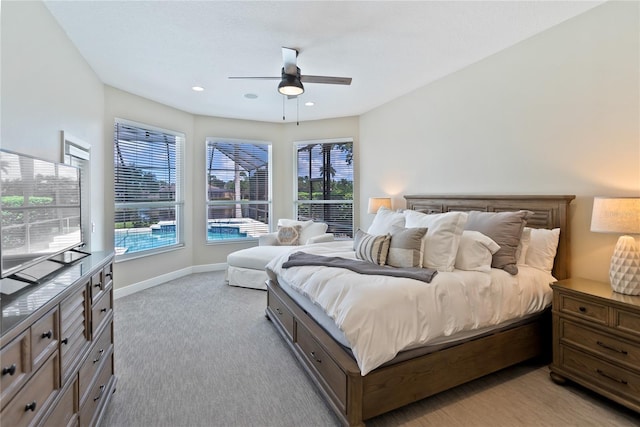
pixel 376 203
pixel 620 215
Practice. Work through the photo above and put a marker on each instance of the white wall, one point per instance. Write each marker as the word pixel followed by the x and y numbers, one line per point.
pixel 123 105
pixel 120 104
pixel 47 87
pixel 556 114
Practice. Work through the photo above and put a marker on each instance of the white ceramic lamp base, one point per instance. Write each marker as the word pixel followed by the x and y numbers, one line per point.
pixel 624 273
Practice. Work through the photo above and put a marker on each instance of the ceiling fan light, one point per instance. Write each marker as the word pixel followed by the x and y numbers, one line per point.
pixel 290 85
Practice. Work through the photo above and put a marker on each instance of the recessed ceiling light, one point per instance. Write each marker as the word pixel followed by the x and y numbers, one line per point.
pixel 197 88
pixel 309 104
pixel 250 95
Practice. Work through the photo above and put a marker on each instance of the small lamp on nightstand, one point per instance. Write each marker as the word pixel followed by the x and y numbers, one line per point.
pixel 376 203
pixel 620 215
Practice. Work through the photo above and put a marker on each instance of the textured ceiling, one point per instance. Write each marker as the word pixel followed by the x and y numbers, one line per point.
pixel 160 49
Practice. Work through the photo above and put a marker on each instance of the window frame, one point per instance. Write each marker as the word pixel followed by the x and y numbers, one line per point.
pixel 178 203
pixel 297 202
pixel 76 152
pixel 210 203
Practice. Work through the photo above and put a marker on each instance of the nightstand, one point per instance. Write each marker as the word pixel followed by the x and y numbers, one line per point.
pixel 596 339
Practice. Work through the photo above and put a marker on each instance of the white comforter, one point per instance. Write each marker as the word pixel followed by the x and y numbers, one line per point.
pixel 381 316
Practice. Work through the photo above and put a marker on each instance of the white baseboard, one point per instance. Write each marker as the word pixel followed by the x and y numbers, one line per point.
pixel 159 280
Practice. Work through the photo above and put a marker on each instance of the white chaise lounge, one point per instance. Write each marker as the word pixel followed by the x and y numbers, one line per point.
pixel 245 268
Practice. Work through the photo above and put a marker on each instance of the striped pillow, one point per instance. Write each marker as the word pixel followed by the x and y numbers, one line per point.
pixel 371 248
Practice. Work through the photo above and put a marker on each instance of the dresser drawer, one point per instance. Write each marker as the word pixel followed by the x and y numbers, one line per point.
pixel 44 337
pixel 100 312
pixel 98 354
pixel 317 359
pixel 97 285
pixel 97 393
pixel 15 363
pixel 74 333
pixel 627 321
pixel 31 402
pixel 277 307
pixel 66 412
pixel 584 308
pixel 107 275
pixel 615 380
pixel 616 350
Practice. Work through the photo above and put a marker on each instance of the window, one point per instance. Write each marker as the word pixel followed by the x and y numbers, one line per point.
pixel 78 153
pixel 324 185
pixel 238 189
pixel 148 165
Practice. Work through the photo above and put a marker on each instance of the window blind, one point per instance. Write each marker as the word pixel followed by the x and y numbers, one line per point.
pixel 148 164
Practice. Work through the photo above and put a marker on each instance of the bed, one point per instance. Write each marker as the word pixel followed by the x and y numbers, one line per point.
pixel 423 371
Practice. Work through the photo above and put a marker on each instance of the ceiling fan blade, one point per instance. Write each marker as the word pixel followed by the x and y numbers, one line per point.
pixel 255 78
pixel 289 60
pixel 326 80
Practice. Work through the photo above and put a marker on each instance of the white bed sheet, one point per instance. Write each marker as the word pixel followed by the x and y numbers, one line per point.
pixel 381 316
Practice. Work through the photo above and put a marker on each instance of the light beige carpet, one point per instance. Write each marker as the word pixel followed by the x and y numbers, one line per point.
pixel 196 352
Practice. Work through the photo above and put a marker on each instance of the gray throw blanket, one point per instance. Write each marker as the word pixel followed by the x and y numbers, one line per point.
pixel 299 259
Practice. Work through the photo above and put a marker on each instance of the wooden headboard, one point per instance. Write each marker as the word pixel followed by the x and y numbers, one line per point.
pixel 548 212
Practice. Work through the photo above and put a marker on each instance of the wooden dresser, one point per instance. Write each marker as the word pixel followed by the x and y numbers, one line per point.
pixel 596 339
pixel 56 353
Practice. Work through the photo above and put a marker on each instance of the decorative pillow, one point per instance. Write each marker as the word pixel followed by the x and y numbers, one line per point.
pixel 309 228
pixel 289 236
pixel 371 248
pixel 405 248
pixel 385 220
pixel 523 246
pixel 475 252
pixel 505 228
pixel 542 248
pixel 442 238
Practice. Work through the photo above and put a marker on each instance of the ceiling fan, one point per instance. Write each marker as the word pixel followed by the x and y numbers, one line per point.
pixel 291 79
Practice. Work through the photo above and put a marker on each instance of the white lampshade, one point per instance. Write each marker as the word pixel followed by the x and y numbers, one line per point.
pixel 622 216
pixel 376 203
pixel 616 215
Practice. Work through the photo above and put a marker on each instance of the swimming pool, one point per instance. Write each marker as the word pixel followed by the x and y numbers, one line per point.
pixel 142 239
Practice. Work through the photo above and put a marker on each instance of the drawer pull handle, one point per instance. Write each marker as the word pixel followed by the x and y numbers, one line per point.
pixel 582 309
pixel 97 285
pixel 611 377
pixel 47 334
pixel 608 347
pixel 65 341
pixel 279 311
pixel 9 369
pixel 96 360
pixel 109 275
pixel 313 355
pixel 99 395
pixel 30 407
pixel 103 310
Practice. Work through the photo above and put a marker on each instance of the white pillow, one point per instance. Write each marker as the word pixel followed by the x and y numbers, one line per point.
pixel 308 228
pixel 523 246
pixel 442 239
pixel 475 252
pixel 542 248
pixel 385 220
